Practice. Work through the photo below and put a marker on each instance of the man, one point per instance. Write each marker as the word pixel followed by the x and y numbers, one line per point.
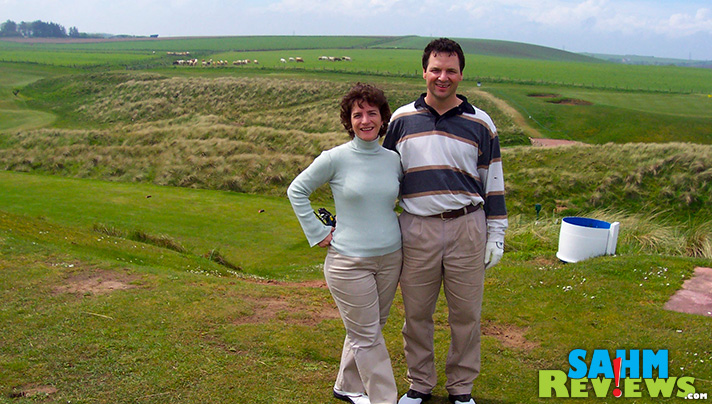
pixel 453 221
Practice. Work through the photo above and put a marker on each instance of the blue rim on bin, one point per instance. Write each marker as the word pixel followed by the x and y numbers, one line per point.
pixel 586 222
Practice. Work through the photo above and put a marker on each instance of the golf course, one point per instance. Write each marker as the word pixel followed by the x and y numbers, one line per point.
pixel 149 254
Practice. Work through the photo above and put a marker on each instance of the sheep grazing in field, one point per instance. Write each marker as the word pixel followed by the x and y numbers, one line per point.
pixel 299 60
pixel 255 62
pixel 291 59
pixel 282 60
pixel 335 58
pixel 184 62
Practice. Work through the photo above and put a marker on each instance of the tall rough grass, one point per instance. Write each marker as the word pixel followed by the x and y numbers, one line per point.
pixel 232 133
pixel 256 134
pixel 640 233
pixel 672 177
pixel 659 193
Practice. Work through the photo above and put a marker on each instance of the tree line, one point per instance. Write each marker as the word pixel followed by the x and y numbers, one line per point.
pixel 38 29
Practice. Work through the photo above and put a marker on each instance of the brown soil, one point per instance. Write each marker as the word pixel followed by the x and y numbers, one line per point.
pixel 509 336
pixel 284 309
pixel 571 101
pixel 541 142
pixel 96 282
pixel 33 390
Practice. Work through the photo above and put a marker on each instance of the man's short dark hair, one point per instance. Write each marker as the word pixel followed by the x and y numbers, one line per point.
pixel 446 46
pixel 359 94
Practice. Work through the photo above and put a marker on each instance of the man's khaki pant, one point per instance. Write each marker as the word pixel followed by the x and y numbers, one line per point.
pixel 451 253
pixel 363 288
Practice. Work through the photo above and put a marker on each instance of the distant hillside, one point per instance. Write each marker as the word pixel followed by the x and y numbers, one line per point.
pixel 491 47
pixel 650 60
pixel 485 47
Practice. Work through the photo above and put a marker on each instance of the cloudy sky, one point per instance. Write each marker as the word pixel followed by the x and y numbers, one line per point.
pixel 662 28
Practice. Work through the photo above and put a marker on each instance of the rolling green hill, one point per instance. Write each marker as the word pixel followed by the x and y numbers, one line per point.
pixel 201 45
pixel 491 47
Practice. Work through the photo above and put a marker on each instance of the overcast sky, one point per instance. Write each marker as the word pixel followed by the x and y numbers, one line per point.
pixel 662 28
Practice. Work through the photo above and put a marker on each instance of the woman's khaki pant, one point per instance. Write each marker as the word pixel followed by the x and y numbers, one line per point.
pixel 363 288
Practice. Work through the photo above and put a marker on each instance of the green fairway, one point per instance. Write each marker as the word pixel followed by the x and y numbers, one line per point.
pixel 14 113
pixel 257 233
pixel 22 120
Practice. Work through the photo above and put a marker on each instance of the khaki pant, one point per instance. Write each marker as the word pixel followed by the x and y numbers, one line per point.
pixel 451 253
pixel 363 289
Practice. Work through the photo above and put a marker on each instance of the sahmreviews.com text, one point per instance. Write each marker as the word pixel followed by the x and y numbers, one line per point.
pixel 631 374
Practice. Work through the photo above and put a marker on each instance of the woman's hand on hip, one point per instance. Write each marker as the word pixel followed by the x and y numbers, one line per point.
pixel 327 240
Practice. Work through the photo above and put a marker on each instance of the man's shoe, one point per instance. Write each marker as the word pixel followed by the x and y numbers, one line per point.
pixel 414 397
pixel 461 399
pixel 353 398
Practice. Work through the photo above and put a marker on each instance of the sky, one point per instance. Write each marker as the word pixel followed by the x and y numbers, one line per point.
pixel 679 29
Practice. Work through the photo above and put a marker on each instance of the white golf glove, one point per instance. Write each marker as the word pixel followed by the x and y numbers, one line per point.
pixel 493 253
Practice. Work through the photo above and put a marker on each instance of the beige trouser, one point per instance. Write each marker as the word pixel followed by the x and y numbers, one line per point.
pixel 363 288
pixel 451 253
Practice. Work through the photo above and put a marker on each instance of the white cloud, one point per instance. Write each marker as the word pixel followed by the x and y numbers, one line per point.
pixel 634 17
pixel 679 25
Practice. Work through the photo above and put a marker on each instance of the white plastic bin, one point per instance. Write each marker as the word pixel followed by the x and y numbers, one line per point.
pixel 581 238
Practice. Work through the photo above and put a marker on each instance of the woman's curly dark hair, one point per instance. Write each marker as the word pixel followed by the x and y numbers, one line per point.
pixel 372 95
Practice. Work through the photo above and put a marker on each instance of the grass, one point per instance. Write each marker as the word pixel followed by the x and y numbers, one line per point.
pixel 488 61
pixel 178 327
pixel 619 117
pixel 147 214
pixel 232 133
pixel 14 110
pixel 164 285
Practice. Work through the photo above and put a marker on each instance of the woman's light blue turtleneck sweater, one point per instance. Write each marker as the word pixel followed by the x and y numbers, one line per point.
pixel 364 179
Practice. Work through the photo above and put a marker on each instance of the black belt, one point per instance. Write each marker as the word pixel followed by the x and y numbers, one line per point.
pixel 451 214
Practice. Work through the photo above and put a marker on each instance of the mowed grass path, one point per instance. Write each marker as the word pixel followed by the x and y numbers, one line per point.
pixel 13 112
pixel 257 233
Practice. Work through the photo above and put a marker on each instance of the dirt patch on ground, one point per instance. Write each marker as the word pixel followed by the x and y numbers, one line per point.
pixel 317 283
pixel 96 282
pixel 695 297
pixel 284 309
pixel 570 101
pixel 33 391
pixel 541 142
pixel 508 335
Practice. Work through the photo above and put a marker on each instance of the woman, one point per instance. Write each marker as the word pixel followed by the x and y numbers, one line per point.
pixel 363 262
